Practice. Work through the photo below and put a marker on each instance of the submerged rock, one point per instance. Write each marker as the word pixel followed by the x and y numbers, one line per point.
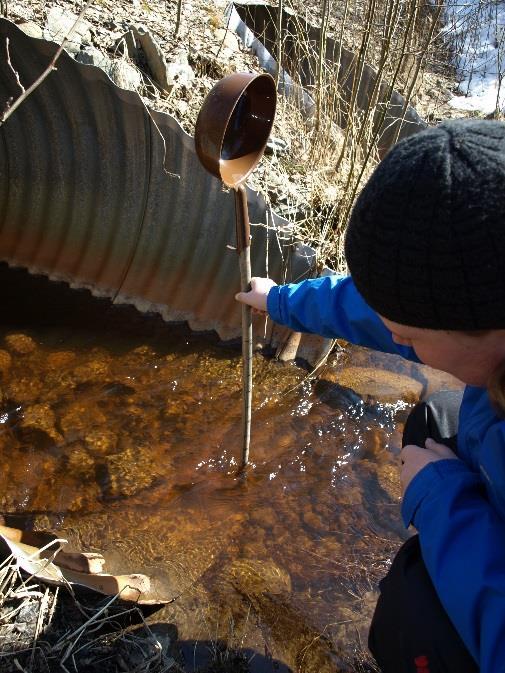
pixel 377 384
pixel 127 473
pixel 267 589
pixel 101 441
pixel 95 370
pixel 23 389
pixel 5 361
pixel 79 462
pixel 20 344
pixel 79 418
pixel 388 476
pixel 250 576
pixel 41 417
pixel 60 359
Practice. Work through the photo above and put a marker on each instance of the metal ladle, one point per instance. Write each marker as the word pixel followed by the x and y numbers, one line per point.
pixel 231 133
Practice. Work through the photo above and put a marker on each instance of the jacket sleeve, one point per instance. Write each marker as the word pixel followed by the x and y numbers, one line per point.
pixel 463 546
pixel 332 307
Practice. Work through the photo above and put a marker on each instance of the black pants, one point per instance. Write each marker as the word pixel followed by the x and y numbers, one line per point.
pixel 410 631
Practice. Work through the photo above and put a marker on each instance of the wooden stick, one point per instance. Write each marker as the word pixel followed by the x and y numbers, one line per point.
pixel 244 251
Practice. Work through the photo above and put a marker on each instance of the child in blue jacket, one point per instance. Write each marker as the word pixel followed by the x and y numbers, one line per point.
pixel 425 247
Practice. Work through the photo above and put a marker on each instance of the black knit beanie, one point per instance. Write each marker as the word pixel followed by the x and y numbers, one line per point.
pixel 425 243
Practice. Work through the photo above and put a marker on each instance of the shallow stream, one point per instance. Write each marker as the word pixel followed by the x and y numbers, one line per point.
pixel 123 434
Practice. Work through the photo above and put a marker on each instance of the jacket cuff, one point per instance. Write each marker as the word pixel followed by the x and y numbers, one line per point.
pixel 274 304
pixel 426 480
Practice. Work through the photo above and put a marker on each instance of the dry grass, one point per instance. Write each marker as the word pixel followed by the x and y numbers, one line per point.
pixel 335 147
pixel 44 629
pixel 411 45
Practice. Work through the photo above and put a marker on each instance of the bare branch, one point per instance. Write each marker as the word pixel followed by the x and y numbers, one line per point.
pixel 52 66
pixel 14 72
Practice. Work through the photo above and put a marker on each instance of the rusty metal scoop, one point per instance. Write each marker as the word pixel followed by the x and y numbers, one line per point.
pixel 231 133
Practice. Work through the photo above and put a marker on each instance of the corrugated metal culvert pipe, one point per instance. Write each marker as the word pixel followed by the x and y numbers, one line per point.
pixel 100 192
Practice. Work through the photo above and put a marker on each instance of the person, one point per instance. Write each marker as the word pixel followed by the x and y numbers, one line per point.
pixel 425 248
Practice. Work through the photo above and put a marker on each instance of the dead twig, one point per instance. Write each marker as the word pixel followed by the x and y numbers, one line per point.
pixel 12 107
pixel 178 20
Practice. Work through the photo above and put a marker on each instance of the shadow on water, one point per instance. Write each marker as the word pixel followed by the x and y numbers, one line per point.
pixel 216 657
pixel 35 302
pixel 122 432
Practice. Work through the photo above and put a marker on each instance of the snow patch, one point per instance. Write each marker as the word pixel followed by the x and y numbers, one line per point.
pixel 478 31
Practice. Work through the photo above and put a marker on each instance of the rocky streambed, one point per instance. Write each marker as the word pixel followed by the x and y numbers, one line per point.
pixel 122 434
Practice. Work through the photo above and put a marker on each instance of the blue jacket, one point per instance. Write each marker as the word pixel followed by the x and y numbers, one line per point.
pixel 458 507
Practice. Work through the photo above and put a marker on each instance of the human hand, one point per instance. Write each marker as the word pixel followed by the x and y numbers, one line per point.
pixel 257 295
pixel 414 458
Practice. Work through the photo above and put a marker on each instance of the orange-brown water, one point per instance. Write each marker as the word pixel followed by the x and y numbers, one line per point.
pixel 123 434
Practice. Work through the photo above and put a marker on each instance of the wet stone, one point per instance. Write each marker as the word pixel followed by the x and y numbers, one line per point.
pixel 388 476
pixel 58 383
pixel 143 353
pixel 20 344
pixel 377 384
pixel 287 440
pixel 101 441
pixel 24 389
pixel 25 476
pixel 5 361
pixel 60 359
pixel 251 577
pixel 175 406
pixel 79 418
pixel 314 521
pixel 127 473
pixel 134 410
pixel 264 517
pixel 95 370
pixel 72 499
pixel 41 417
pixel 79 462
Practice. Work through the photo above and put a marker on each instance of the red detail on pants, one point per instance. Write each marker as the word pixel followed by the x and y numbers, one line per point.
pixel 422 664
